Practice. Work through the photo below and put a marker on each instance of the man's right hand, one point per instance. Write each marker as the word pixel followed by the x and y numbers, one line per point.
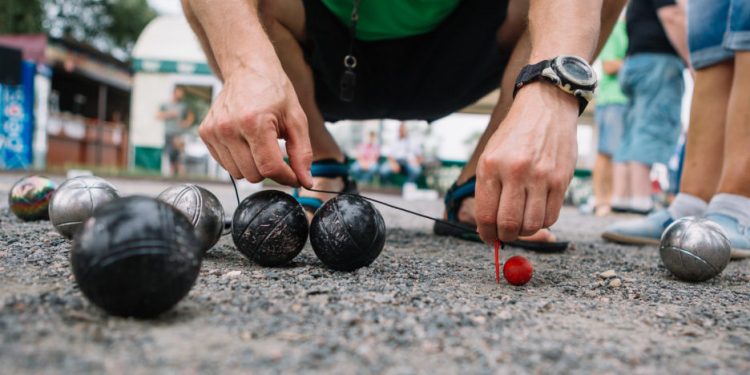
pixel 245 122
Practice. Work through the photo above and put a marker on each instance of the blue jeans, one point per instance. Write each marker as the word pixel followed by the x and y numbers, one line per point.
pixel 364 174
pixel 716 29
pixel 654 84
pixel 610 120
pixel 411 171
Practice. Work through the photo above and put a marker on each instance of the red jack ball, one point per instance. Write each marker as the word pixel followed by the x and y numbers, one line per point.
pixel 517 270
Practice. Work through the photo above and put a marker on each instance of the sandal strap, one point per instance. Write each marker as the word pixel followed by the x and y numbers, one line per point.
pixel 330 168
pixel 456 195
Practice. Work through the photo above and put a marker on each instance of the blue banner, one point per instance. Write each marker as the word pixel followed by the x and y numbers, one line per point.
pixel 17 121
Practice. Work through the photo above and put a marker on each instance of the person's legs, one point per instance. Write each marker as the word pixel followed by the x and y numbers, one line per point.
pixel 610 121
pixel 602 181
pixel 705 138
pixel 412 172
pixel 386 171
pixel 730 207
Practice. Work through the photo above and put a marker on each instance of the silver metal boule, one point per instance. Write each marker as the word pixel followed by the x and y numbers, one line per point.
pixel 201 207
pixel 75 201
pixel 694 249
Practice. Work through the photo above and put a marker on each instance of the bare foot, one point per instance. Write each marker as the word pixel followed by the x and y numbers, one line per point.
pixel 322 183
pixel 466 215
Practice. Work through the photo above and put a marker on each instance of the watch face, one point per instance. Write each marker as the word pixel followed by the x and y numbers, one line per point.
pixel 576 70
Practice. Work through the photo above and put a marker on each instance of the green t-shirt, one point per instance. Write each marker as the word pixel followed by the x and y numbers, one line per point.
pixel 390 19
pixel 609 91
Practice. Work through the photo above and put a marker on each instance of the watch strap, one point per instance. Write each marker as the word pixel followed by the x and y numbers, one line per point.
pixel 529 73
pixel 533 72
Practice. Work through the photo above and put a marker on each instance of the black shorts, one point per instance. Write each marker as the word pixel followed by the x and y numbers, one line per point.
pixel 423 77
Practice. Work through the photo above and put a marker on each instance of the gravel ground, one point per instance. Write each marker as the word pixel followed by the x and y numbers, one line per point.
pixel 427 305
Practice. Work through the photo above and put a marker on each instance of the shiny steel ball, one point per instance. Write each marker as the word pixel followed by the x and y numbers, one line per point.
pixel 269 228
pixel 75 201
pixel 694 249
pixel 136 256
pixel 202 208
pixel 347 233
pixel 29 198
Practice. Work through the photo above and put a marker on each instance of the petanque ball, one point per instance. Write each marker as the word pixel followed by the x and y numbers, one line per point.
pixel 136 256
pixel 202 208
pixel 269 228
pixel 347 233
pixel 694 249
pixel 29 198
pixel 75 200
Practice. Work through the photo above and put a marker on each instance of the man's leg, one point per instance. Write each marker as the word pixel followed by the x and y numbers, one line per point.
pixel 602 181
pixel 514 34
pixel 730 207
pixel 703 159
pixel 640 186
pixel 705 138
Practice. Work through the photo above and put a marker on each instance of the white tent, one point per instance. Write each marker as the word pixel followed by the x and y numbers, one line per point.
pixel 166 54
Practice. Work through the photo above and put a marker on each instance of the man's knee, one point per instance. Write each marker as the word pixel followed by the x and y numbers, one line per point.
pixel 515 24
pixel 267 12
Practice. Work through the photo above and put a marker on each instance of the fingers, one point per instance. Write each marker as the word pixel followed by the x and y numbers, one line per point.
pixel 219 152
pixel 265 150
pixel 488 193
pixel 555 199
pixel 243 159
pixel 299 149
pixel 510 212
pixel 535 210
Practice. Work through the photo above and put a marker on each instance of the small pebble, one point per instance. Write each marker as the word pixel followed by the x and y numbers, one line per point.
pixel 615 283
pixel 608 274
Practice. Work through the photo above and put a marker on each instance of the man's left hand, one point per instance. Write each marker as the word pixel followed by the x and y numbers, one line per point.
pixel 527 165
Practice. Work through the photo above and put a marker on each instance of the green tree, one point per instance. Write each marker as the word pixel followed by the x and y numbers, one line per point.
pixel 110 25
pixel 127 19
pixel 21 17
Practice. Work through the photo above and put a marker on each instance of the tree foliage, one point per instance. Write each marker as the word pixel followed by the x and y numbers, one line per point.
pixel 21 16
pixel 110 25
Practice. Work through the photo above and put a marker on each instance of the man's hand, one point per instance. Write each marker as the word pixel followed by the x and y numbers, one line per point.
pixel 243 126
pixel 526 167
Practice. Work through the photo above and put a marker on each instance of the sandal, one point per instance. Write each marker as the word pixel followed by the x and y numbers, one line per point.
pixel 453 199
pixel 329 168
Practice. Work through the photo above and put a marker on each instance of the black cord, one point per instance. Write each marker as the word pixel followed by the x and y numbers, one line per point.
pixel 466 230
pixel 236 193
pixel 445 222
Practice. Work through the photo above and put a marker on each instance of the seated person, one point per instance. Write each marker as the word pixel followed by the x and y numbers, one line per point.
pixel 404 156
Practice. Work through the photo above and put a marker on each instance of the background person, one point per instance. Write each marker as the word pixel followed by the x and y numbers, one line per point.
pixel 402 156
pixel 652 78
pixel 715 179
pixel 368 153
pixel 177 119
pixel 611 104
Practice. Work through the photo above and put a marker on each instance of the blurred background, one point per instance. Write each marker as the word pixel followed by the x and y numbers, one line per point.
pixel 119 87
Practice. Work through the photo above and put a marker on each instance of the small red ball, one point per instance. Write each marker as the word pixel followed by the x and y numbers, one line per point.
pixel 517 270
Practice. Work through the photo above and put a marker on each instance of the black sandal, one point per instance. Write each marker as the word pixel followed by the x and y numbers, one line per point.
pixel 453 199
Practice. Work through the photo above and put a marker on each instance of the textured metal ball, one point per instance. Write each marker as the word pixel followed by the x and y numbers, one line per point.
pixel 694 249
pixel 136 256
pixel 29 198
pixel 347 233
pixel 269 228
pixel 75 200
pixel 202 209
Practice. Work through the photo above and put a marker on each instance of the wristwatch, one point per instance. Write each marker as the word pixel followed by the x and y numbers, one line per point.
pixel 571 74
